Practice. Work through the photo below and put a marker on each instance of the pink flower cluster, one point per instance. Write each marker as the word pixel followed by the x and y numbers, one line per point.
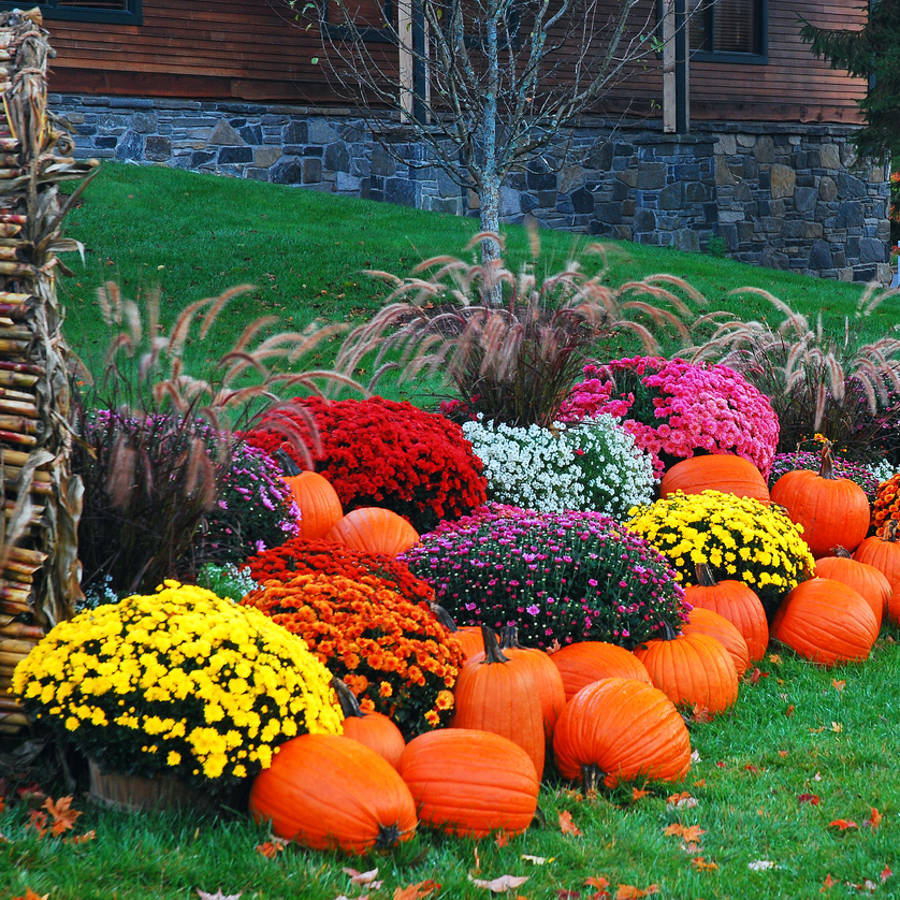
pixel 676 409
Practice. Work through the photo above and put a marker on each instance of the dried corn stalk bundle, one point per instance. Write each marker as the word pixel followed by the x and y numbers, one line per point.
pixel 41 499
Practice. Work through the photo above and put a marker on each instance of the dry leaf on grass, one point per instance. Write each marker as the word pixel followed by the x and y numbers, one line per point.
pixel 843 824
pixel 501 884
pixel 874 819
pixel 368 878
pixel 761 865
pixel 417 890
pixel 218 895
pixel 566 825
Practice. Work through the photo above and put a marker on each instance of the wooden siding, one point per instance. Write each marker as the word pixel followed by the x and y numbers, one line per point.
pixel 254 51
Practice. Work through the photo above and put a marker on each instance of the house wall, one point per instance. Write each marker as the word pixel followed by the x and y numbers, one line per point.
pixel 789 196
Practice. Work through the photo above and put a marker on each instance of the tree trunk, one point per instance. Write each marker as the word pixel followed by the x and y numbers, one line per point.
pixel 39 567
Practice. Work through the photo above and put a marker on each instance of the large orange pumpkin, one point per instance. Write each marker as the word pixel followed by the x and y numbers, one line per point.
pixel 317 501
pixel 736 602
pixel 374 530
pixel 834 512
pixel 470 782
pixel 705 621
pixel 584 662
pixel 620 729
pixel 826 621
pixel 328 791
pixel 374 729
pixel 884 553
pixel 717 472
pixel 865 579
pixel 691 669
pixel 499 693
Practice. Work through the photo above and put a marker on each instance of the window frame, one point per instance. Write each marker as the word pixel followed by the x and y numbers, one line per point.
pixel 760 57
pixel 133 15
pixel 367 35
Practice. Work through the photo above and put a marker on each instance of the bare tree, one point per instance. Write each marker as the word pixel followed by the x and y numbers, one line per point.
pixel 484 84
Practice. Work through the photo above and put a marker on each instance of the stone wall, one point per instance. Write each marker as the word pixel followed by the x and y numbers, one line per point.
pixel 790 197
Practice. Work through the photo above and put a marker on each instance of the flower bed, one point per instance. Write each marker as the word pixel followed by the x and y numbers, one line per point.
pixel 559 577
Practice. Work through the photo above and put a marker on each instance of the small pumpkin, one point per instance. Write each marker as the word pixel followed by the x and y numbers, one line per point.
pixel 620 729
pixel 705 621
pixel 736 602
pixel 374 729
pixel 374 530
pixel 833 511
pixel 826 621
pixel 865 579
pixel 499 693
pixel 583 662
pixel 718 472
pixel 328 791
pixel 470 782
pixel 883 552
pixel 694 670
pixel 317 501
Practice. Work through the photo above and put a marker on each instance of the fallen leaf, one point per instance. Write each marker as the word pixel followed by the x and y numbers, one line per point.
pixel 790 710
pixel 538 860
pixel 566 825
pixel 886 873
pixel 218 895
pixel 419 889
pixel 782 753
pixel 843 824
pixel 698 862
pixel 754 676
pixel 692 833
pixel 700 714
pixel 638 793
pixel 38 821
pixel 837 727
pixel 597 881
pixel 675 828
pixel 502 838
pixel 827 883
pixel 630 892
pixel 813 799
pixel 761 865
pixel 775 659
pixel 271 848
pixel 31 895
pixel 838 684
pixel 368 878
pixel 874 819
pixel 497 885
pixel 675 799
pixel 700 782
pixel 565 894
pixel 695 757
pixel 81 838
pixel 720 764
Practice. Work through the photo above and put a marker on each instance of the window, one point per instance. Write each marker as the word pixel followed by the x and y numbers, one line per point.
pixel 126 12
pixel 728 30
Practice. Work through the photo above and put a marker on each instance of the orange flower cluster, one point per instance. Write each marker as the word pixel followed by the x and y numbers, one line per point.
pixel 887 503
pixel 392 653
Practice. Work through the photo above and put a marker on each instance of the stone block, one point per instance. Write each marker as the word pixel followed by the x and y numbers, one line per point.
pixel 651 176
pixel 224 135
pixel 285 171
pixel 628 177
pixel 582 201
pixel 571 178
pixel 610 213
pixel 144 122
pixel 872 250
pixel 347 183
pixel 805 199
pixel 510 204
pixel 337 158
pixel 644 220
pixel 827 188
pixel 730 216
pixel 850 187
pixel 672 196
pixel 685 239
pixel 764 149
pixel 401 191
pixel 528 202
pixel 724 175
pixel 782 179
pixel 540 181
pixel 830 156
pixel 256 173
pixel 263 157
pixel 157 148
pixel 311 170
pixel 251 134
pixel 231 155
pixel 725 144
pixel 746 140
pixel 321 131
pixel 130 147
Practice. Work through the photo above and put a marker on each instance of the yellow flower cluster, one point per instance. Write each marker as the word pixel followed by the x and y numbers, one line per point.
pixel 738 537
pixel 180 679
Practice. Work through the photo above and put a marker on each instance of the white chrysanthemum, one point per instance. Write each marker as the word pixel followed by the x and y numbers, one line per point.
pixel 591 465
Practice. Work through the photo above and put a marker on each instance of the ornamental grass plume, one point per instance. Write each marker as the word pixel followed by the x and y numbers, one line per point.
pixel 676 409
pixel 514 361
pixel 179 681
pixel 818 378
pixel 739 538
pixel 558 577
pixel 392 653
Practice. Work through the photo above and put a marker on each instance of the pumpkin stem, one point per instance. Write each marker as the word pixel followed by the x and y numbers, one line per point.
pixel 492 652
pixel 590 776
pixel 889 531
pixel 669 633
pixel 388 837
pixel 349 704
pixel 843 552
pixel 443 616
pixel 826 462
pixel 705 577
pixel 288 466
pixel 509 638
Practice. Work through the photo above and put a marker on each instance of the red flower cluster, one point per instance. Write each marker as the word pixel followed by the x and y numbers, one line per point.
pixel 393 654
pixel 378 452
pixel 301 557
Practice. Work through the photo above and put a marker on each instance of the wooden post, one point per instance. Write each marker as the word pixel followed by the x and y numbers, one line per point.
pixel 405 51
pixel 668 65
pixel 682 77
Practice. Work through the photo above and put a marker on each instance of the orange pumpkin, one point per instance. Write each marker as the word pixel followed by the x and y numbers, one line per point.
pixel 866 580
pixel 691 669
pixel 470 782
pixel 374 530
pixel 620 729
pixel 884 553
pixel 498 693
pixel 705 621
pixel 374 729
pixel 317 501
pixel 736 602
pixel 833 511
pixel 584 662
pixel 826 621
pixel 328 791
pixel 718 472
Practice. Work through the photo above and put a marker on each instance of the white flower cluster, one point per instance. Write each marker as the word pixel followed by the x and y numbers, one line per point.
pixel 882 470
pixel 590 465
